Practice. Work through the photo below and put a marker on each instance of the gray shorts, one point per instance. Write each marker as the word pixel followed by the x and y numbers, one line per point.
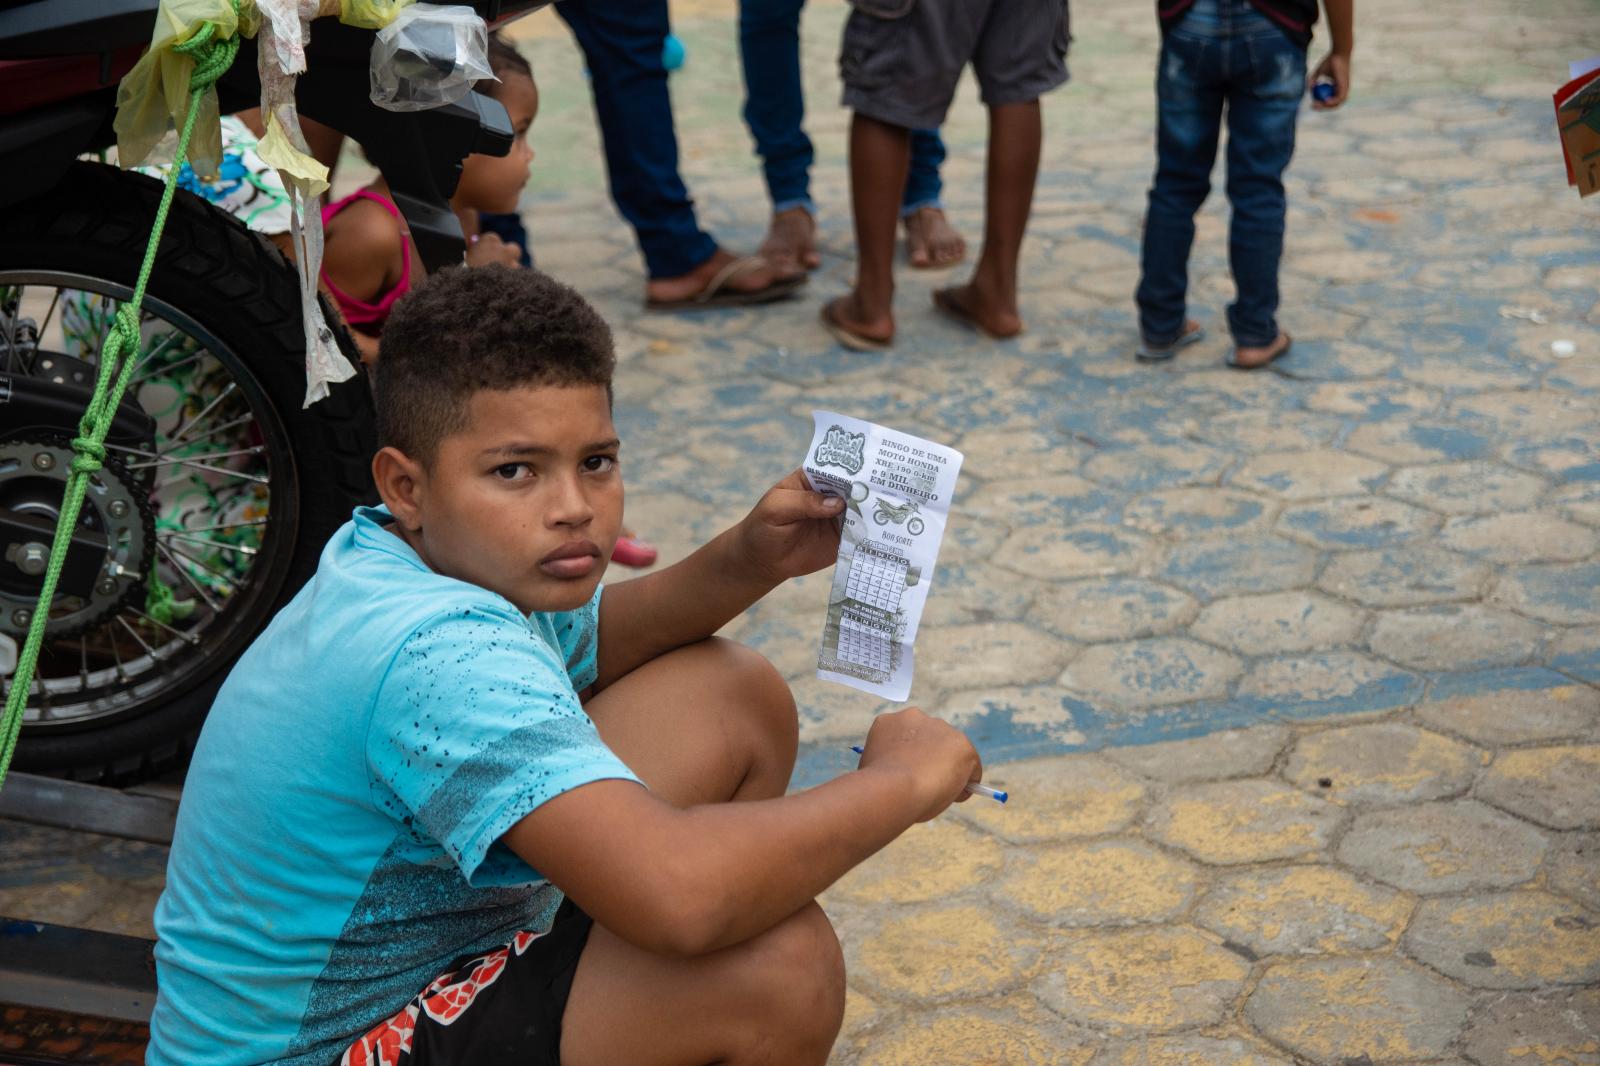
pixel 901 59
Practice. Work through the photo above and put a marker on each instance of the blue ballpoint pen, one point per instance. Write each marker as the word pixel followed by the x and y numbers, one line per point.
pixel 976 790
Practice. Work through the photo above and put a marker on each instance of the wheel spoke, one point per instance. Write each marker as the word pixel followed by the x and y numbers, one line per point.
pixel 141 452
pixel 143 374
pixel 183 572
pixel 212 432
pixel 259 479
pixel 192 459
pixel 116 653
pixel 205 412
pixel 51 311
pixel 212 570
pixel 187 638
pixel 226 525
pixel 11 330
pixel 208 542
pixel 134 633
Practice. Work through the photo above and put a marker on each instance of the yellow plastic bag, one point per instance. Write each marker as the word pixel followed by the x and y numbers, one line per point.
pixel 370 14
pixel 155 93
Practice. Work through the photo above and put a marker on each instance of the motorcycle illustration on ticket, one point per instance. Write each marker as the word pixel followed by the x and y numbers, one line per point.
pixel 897 489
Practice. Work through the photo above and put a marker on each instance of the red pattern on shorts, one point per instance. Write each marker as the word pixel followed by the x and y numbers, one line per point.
pixel 444 1000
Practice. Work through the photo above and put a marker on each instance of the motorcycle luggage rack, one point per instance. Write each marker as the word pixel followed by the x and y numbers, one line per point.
pixel 73 995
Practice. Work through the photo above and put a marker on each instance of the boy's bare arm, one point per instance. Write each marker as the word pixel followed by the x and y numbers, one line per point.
pixel 1341 24
pixel 1336 64
pixel 790 532
pixel 687 882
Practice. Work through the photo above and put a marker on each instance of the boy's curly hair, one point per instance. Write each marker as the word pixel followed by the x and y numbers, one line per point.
pixel 462 331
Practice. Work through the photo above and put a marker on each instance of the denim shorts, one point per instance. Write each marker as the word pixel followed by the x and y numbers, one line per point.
pixel 901 59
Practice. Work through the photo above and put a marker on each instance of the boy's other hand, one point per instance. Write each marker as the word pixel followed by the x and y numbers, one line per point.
pixel 937 757
pixel 487 249
pixel 1335 67
pixel 792 531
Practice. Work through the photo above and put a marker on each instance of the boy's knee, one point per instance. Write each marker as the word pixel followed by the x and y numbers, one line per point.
pixel 756 684
pixel 800 983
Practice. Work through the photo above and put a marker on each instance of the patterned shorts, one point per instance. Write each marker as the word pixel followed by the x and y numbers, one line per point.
pixel 500 1008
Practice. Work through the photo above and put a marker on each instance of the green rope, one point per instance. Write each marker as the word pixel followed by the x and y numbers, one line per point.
pixel 119 356
pixel 159 601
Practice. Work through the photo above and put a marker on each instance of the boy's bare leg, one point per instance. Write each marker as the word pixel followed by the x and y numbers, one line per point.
pixel 880 154
pixel 989 300
pixel 708 723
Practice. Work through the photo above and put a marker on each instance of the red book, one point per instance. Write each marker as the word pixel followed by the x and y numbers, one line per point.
pixel 1578 122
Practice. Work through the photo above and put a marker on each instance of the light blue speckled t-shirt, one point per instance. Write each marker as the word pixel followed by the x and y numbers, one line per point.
pixel 337 841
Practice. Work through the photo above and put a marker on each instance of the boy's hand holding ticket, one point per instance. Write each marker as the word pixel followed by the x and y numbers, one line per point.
pixel 897 490
pixel 792 531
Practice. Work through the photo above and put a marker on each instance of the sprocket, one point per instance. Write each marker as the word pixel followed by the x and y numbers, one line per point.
pixel 117 505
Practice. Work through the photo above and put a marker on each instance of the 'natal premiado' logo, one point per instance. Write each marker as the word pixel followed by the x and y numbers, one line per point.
pixel 844 449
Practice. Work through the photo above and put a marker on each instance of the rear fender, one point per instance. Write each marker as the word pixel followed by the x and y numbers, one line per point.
pixel 38 146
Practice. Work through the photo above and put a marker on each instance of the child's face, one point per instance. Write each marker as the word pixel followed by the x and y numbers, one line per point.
pixel 494 183
pixel 526 501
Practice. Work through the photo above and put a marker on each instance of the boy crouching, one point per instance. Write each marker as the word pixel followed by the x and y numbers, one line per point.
pixel 457 805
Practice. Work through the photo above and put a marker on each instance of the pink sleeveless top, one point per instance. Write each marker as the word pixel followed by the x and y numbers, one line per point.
pixel 360 312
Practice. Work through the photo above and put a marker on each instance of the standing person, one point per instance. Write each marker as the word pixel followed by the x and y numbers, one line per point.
pixel 1249 55
pixel 774 109
pixel 900 70
pixel 622 42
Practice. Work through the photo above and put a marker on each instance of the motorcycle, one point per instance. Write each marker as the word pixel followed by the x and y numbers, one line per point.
pixel 902 514
pixel 219 489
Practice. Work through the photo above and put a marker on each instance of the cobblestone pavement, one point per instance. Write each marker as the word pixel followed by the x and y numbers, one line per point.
pixel 1292 675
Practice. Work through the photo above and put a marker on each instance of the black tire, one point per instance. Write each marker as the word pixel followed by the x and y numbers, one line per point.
pixel 96 221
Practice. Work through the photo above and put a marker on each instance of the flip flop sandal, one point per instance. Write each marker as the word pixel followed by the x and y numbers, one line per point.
pixel 631 551
pixel 717 294
pixel 1288 342
pixel 1160 353
pixel 850 339
pixel 953 310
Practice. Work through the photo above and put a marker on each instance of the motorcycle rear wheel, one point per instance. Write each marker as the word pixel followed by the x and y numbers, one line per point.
pixel 235 302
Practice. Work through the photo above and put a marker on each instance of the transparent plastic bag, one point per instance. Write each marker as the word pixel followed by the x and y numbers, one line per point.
pixel 429 56
pixel 280 59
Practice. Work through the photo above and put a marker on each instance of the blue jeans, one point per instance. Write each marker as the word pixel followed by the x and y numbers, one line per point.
pixel 622 42
pixel 1224 52
pixel 774 108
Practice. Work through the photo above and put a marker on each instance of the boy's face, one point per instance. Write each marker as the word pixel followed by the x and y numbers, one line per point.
pixel 526 501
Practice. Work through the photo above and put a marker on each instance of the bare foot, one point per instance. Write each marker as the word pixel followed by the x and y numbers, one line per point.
pixel 687 286
pixel 1252 357
pixel 851 327
pixel 791 244
pixel 988 316
pixel 931 242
